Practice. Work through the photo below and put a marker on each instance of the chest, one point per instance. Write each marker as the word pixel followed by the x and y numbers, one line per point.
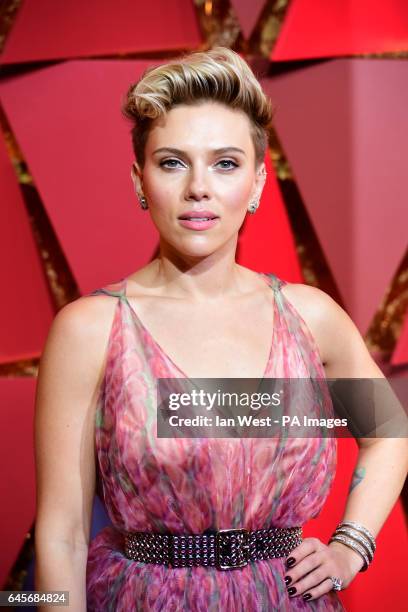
pixel 213 340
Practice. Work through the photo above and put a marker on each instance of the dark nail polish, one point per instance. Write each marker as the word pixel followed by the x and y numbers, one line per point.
pixel 288 579
pixel 307 596
pixel 291 590
pixel 290 561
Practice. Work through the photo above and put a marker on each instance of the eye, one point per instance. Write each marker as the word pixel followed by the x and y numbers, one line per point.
pixel 164 163
pixel 228 161
pixel 171 163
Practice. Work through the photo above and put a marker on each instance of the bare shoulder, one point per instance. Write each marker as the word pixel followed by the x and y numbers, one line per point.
pixel 310 301
pixel 88 314
pixel 80 332
pixel 342 348
pixel 317 309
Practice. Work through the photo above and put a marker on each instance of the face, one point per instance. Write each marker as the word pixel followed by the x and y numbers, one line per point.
pixel 199 160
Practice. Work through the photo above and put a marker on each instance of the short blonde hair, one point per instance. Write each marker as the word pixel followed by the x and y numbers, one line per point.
pixel 217 75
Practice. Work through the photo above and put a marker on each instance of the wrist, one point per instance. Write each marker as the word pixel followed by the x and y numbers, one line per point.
pixel 353 558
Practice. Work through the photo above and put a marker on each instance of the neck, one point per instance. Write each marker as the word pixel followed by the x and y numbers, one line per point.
pixel 199 278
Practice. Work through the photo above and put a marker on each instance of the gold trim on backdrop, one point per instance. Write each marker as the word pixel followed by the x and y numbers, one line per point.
pixel 17 577
pixel 8 12
pixel 15 154
pixel 219 26
pixel 267 29
pixel 314 265
pixel 385 329
pixel 218 23
pixel 382 336
pixel 384 55
pixel 60 280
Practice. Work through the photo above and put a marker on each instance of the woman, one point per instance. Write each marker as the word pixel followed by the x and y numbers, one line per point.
pixel 200 136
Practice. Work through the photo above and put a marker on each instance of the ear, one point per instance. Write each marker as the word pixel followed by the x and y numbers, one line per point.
pixel 259 181
pixel 136 176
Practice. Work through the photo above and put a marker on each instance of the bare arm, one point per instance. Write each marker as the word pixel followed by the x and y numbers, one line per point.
pixel 382 463
pixel 70 374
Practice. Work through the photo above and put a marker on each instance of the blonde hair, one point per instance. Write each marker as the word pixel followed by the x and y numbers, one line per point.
pixel 217 75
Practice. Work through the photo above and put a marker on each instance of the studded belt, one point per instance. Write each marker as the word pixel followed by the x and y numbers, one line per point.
pixel 222 549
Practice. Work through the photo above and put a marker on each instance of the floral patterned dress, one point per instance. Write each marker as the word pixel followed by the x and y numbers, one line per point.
pixel 187 485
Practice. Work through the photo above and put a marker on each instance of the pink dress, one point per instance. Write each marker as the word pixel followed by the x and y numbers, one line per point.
pixel 189 485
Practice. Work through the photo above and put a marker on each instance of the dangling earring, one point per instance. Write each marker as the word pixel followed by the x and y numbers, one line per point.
pixel 253 206
pixel 255 203
pixel 143 202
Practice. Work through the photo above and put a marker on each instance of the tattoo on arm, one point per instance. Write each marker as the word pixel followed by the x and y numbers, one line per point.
pixel 358 476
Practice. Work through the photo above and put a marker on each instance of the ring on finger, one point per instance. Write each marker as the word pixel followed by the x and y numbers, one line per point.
pixel 337 583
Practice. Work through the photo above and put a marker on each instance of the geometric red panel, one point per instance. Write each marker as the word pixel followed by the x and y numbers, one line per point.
pixel 248 14
pixel 78 149
pixel 26 308
pixel 266 242
pixel 343 127
pixel 333 28
pixel 17 476
pixel 400 354
pixel 52 30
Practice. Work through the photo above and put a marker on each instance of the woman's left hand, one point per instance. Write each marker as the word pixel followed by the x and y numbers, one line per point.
pixel 320 561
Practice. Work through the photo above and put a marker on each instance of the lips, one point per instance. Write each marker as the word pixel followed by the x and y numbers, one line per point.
pixel 198 223
pixel 198 215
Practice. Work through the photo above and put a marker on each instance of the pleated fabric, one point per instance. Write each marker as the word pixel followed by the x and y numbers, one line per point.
pixel 188 485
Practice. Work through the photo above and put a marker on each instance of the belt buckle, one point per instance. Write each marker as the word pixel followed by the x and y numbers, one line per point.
pixel 239 539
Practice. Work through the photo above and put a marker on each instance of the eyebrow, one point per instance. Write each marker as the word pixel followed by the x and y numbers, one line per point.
pixel 216 151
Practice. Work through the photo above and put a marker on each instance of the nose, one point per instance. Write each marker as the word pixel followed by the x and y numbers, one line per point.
pixel 198 187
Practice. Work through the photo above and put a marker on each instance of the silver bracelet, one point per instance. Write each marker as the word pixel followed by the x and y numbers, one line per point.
pixel 363 530
pixel 349 531
pixel 354 546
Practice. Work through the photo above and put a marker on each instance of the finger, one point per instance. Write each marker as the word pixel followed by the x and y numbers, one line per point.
pixel 303 567
pixel 324 587
pixel 308 546
pixel 311 581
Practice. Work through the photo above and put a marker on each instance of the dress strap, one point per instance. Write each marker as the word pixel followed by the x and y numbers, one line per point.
pixel 275 281
pixel 117 289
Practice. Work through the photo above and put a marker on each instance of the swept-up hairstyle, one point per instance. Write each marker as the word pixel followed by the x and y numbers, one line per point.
pixel 217 75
